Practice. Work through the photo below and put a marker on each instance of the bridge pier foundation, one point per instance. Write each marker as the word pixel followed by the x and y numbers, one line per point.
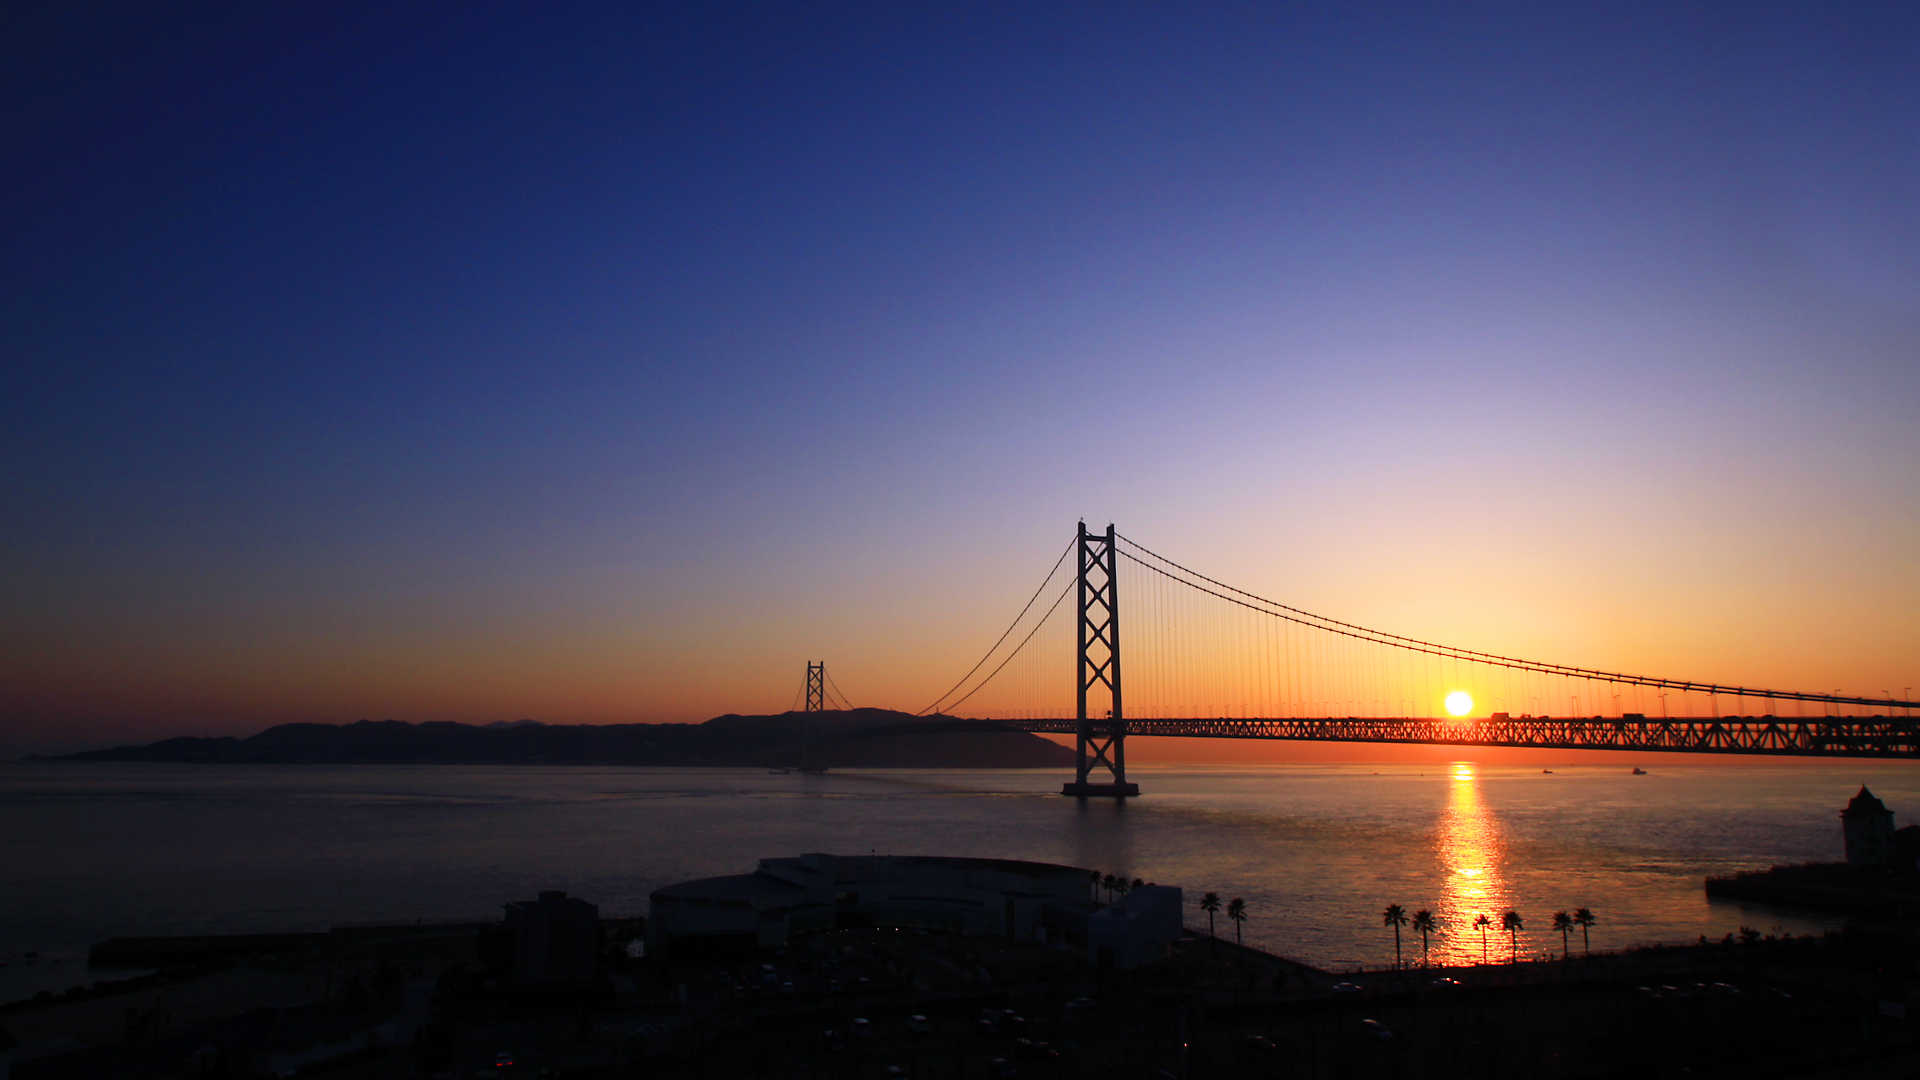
pixel 1118 790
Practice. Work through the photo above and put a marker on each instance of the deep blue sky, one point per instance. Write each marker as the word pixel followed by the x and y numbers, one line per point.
pixel 602 362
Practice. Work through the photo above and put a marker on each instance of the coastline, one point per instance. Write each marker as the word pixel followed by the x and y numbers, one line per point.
pixel 1824 887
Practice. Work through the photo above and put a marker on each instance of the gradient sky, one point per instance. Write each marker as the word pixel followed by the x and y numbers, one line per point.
pixel 601 364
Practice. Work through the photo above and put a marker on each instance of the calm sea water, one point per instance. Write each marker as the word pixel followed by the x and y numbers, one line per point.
pixel 91 851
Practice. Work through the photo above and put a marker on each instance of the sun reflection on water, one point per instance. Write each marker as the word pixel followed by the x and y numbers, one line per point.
pixel 1472 853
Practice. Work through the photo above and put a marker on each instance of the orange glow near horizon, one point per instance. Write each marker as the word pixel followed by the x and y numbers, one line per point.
pixel 178 666
pixel 1189 655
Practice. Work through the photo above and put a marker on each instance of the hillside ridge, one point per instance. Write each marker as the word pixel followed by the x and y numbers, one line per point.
pixel 874 738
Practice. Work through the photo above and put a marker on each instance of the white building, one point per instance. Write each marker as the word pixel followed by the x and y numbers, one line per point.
pixel 1138 930
pixel 999 897
pixel 736 911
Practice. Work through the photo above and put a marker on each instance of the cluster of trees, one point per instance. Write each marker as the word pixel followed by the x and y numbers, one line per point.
pixel 1236 910
pixel 1112 886
pixel 1425 924
pixel 1210 903
pixel 1422 922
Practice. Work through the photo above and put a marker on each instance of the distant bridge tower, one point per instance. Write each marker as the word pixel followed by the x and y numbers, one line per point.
pixel 816 686
pixel 1098 739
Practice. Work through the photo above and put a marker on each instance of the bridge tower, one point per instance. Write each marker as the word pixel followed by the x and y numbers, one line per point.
pixel 816 686
pixel 1099 740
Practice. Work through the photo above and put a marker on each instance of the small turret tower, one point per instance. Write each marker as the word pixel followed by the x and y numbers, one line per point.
pixel 1868 826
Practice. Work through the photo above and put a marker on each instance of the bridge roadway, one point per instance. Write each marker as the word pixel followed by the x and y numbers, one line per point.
pixel 1885 736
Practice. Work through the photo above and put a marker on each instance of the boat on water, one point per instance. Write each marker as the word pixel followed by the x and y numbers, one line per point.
pixel 1638 771
pixel 1548 772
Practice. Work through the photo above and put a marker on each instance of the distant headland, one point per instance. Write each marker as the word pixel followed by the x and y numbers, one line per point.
pixel 853 738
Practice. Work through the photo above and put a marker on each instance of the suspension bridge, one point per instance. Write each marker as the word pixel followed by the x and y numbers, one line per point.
pixel 1206 659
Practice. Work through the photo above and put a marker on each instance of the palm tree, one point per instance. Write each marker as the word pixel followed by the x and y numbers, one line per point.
pixel 1096 884
pixel 1139 883
pixel 1210 903
pixel 1106 882
pixel 1237 911
pixel 1396 917
pixel 1481 923
pixel 1122 886
pixel 1563 922
pixel 1510 922
pixel 1423 925
pixel 1584 917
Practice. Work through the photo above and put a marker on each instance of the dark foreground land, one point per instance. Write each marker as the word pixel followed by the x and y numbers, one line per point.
pixel 429 1002
pixel 1882 893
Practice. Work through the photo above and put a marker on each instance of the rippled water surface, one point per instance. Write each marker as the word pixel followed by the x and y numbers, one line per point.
pixel 91 851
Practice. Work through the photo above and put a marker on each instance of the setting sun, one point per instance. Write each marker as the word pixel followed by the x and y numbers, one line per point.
pixel 1459 703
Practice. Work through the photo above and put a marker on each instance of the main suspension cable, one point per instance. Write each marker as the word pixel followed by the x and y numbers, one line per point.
pixel 844 700
pixel 1400 641
pixel 1064 590
pixel 1003 634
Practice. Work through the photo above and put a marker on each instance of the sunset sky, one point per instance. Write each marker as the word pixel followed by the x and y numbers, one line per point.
pixel 603 364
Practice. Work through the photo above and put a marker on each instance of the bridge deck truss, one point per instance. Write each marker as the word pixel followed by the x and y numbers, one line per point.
pixel 1833 736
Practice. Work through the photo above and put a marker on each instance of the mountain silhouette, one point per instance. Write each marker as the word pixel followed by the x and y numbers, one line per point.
pixel 872 738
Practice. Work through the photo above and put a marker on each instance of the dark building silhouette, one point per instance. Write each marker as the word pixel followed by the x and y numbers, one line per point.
pixel 1905 855
pixel 555 940
pixel 1868 826
pixel 1039 903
